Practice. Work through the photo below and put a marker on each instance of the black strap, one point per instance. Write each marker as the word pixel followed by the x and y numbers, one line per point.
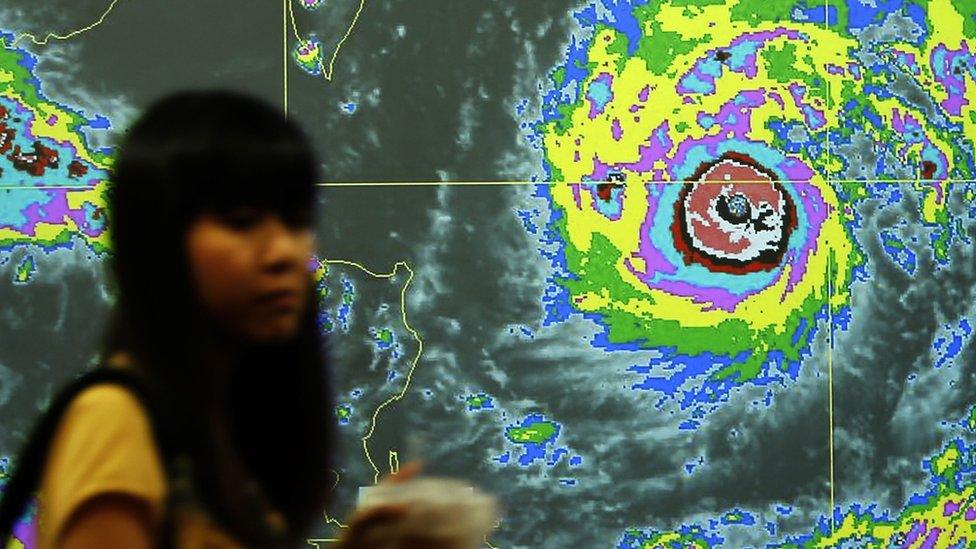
pixel 22 485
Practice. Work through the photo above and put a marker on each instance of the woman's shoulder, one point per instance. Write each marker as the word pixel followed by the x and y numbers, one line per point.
pixel 106 436
pixel 110 404
pixel 105 412
pixel 103 445
pixel 107 429
pixel 107 398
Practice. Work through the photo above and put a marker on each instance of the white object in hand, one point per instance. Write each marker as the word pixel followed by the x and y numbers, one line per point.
pixel 443 511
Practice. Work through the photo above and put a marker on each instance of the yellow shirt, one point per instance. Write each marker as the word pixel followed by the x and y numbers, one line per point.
pixel 105 444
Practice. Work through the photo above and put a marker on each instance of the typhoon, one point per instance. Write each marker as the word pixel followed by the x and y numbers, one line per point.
pixel 705 160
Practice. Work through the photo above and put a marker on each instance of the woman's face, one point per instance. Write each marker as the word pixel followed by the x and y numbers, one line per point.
pixel 250 269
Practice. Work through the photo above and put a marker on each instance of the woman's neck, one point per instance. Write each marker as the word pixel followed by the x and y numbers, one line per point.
pixel 221 356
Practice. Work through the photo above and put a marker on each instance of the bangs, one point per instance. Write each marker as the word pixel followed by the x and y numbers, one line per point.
pixel 213 152
pixel 272 176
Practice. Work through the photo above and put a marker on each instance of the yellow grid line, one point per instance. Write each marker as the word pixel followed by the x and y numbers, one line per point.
pixel 533 183
pixel 285 9
pixel 643 182
pixel 830 304
pixel 830 385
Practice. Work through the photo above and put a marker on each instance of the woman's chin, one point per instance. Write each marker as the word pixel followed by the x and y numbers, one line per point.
pixel 277 331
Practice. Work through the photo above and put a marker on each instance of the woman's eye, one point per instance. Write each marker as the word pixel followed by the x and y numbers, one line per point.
pixel 242 218
pixel 300 219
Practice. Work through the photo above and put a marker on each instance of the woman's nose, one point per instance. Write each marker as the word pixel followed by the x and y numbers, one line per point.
pixel 281 243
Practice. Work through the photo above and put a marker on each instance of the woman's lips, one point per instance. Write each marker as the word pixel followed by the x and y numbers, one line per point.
pixel 282 299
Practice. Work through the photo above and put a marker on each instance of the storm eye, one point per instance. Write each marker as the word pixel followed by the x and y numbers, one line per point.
pixel 733 217
pixel 734 209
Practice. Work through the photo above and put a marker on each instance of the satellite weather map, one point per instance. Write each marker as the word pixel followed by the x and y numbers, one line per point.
pixel 656 273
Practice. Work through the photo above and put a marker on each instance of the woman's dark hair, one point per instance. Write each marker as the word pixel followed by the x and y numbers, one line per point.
pixel 211 152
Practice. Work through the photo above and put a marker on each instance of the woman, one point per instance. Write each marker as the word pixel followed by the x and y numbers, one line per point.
pixel 211 210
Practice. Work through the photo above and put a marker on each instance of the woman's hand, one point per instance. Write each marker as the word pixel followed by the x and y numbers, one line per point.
pixel 362 527
pixel 432 513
